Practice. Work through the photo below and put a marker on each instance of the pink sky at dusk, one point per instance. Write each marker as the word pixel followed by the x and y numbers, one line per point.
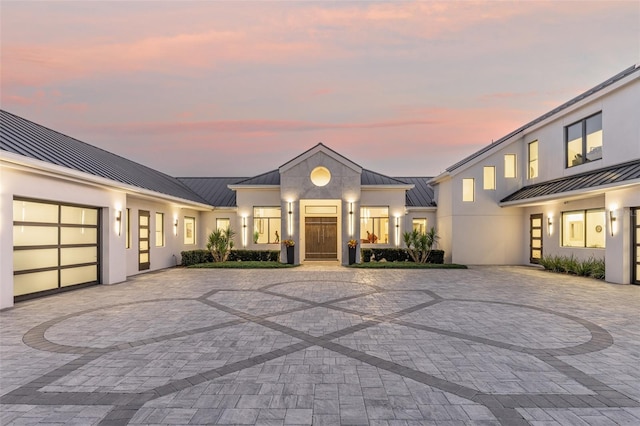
pixel 238 88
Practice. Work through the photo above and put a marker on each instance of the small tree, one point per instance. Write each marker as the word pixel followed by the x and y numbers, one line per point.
pixel 220 244
pixel 419 245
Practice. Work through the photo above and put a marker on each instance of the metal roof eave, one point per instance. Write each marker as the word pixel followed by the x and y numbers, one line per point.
pixel 576 194
pixel 45 168
pixel 236 187
pixel 371 187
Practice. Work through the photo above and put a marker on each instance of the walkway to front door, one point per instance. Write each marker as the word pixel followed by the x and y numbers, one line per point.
pixel 321 238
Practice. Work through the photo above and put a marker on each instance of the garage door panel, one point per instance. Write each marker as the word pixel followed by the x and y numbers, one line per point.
pixel 78 255
pixel 78 235
pixel 35 282
pixel 35 259
pixel 35 235
pixel 32 211
pixel 80 275
pixel 78 215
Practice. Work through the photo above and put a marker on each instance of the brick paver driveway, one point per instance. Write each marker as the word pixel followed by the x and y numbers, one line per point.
pixel 502 345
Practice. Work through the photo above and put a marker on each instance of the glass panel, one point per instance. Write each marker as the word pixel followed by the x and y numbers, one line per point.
pixel 266 212
pixel 489 181
pixel 78 235
pixel 366 212
pixel 536 243
pixel 76 255
pixel 144 245
pixel 159 229
pixel 189 230
pixel 594 137
pixel 34 259
pixel 536 254
pixel 127 242
pixel 533 160
pixel 420 225
pixel 573 229
pixel 536 222
pixel 574 145
pixel 144 220
pixel 144 233
pixel 84 274
pixel 144 257
pixel 509 165
pixel 596 225
pixel 321 209
pixel 34 235
pixel 37 281
pixel 536 233
pixel 467 189
pixel 30 211
pixel 274 230
pixel 79 215
pixel 223 224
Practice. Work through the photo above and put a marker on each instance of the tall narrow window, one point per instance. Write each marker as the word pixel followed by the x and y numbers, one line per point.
pixel 509 165
pixel 489 181
pixel 533 160
pixel 189 230
pixel 468 188
pixel 374 225
pixel 584 140
pixel 267 225
pixel 159 229
pixel 127 227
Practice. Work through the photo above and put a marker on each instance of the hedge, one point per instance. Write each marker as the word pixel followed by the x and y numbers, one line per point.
pixel 398 255
pixel 193 257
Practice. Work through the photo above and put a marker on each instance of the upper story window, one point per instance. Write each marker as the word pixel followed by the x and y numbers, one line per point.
pixel 374 225
pixel 584 140
pixel 489 175
pixel 468 189
pixel 533 160
pixel 266 225
pixel 509 165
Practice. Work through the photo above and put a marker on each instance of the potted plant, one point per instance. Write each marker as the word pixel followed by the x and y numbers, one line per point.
pixel 353 245
pixel 289 244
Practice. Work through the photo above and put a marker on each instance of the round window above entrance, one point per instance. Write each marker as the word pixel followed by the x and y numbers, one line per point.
pixel 320 176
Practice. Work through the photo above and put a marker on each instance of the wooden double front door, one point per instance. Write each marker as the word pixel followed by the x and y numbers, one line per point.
pixel 321 237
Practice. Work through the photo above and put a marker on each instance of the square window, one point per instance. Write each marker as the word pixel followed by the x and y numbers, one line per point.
pixel 374 225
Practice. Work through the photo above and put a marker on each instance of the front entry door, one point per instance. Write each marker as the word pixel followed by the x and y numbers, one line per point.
pixel 321 238
pixel 635 221
pixel 143 241
pixel 535 243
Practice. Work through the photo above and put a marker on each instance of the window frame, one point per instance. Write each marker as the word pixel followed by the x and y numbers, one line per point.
pixel 424 221
pixel 268 219
pixel 586 228
pixel 186 240
pixel 159 218
pixel 492 181
pixel 515 166
pixel 583 146
pixel 219 219
pixel 378 238
pixel 466 199
pixel 531 161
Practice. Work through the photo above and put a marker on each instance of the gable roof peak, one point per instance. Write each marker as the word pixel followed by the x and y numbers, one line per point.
pixel 320 147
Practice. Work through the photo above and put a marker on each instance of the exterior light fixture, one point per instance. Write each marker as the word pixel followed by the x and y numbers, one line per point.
pixel 351 219
pixel 119 222
pixel 175 227
pixel 397 231
pixel 244 231
pixel 290 214
pixel 612 221
pixel 549 225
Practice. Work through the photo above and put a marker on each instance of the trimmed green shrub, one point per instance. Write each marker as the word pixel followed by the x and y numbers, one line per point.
pixel 398 255
pixel 591 267
pixel 193 257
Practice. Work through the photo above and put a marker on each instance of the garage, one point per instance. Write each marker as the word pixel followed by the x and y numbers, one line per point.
pixel 55 247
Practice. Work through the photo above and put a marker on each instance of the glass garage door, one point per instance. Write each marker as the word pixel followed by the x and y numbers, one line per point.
pixel 55 247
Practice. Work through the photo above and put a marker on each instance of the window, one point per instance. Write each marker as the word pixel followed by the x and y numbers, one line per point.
pixel 374 225
pixel 223 224
pixel 533 160
pixel 420 225
pixel 266 225
pixel 159 229
pixel 584 140
pixel 489 181
pixel 583 228
pixel 509 165
pixel 468 188
pixel 189 230
pixel 127 229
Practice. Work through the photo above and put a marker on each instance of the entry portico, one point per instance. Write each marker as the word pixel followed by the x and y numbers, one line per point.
pixel 320 195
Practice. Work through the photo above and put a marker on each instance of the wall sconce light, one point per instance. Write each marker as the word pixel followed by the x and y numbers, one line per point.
pixel 397 231
pixel 244 231
pixel 549 225
pixel 175 227
pixel 351 219
pixel 290 213
pixel 612 221
pixel 119 221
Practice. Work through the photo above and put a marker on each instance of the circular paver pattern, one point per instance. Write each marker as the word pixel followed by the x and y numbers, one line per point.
pixel 308 350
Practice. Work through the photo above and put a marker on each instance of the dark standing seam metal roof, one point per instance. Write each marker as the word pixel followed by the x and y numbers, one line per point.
pixel 24 137
pixel 214 190
pixel 578 98
pixel 369 177
pixel 268 178
pixel 422 193
pixel 592 179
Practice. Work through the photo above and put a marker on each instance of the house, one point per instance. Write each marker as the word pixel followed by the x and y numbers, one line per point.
pixel 567 183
